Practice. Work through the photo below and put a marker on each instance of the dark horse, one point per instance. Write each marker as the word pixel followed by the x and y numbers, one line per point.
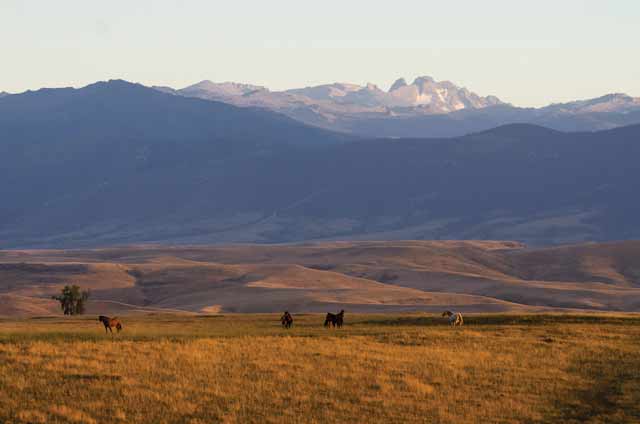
pixel 336 320
pixel 109 323
pixel 286 319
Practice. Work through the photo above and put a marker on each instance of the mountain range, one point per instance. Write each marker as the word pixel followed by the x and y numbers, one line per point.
pixel 424 95
pixel 424 108
pixel 116 162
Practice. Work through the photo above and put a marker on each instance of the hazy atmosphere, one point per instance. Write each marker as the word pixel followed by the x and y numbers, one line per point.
pixel 526 53
pixel 319 212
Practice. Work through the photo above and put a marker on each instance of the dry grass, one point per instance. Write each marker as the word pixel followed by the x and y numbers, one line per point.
pixel 379 368
pixel 371 277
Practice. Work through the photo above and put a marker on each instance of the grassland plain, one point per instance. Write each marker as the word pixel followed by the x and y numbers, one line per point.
pixel 378 368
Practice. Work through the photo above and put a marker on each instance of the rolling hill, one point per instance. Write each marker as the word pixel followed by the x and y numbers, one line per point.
pixel 470 276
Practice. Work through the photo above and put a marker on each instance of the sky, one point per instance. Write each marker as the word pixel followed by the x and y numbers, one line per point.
pixel 529 53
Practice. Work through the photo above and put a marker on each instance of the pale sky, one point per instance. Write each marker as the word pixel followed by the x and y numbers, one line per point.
pixel 529 53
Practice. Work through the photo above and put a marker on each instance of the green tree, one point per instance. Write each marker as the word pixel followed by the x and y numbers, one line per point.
pixel 72 300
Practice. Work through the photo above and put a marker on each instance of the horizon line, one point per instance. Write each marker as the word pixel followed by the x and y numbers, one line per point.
pixel 311 85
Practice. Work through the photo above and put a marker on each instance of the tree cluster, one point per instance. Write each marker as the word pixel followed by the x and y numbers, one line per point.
pixel 72 300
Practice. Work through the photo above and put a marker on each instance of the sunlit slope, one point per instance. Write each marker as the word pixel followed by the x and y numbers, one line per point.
pixel 359 276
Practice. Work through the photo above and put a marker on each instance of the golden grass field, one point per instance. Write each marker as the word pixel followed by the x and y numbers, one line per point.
pixel 391 368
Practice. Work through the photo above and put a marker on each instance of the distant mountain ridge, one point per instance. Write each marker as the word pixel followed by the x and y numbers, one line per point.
pixel 424 108
pixel 220 91
pixel 115 163
pixel 615 102
pixel 425 93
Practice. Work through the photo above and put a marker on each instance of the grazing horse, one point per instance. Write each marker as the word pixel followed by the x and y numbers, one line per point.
pixel 340 319
pixel 286 319
pixel 335 320
pixel 109 323
pixel 454 318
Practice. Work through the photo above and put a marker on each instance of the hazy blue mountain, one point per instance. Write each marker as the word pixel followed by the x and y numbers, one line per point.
pixel 119 163
pixel 336 106
pixel 220 91
pixel 466 121
pixel 616 102
pixel 424 96
pixel 424 108
pixel 113 152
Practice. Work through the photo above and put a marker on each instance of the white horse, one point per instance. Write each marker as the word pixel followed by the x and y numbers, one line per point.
pixel 454 318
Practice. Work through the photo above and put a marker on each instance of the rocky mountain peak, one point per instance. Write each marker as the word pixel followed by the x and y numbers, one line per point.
pixel 399 83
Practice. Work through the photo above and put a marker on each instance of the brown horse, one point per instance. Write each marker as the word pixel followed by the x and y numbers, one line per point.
pixel 286 319
pixel 109 323
pixel 335 320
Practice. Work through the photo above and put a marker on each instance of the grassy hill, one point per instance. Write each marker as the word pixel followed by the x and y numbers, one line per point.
pixel 384 276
